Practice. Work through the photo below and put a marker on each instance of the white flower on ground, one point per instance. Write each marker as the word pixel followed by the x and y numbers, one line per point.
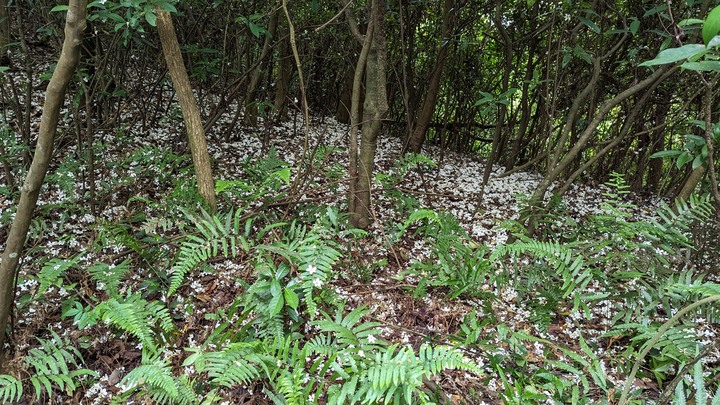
pixel 317 283
pixel 311 269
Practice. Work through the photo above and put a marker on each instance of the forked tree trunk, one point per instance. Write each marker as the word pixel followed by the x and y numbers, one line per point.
pixel 374 110
pixel 54 98
pixel 189 107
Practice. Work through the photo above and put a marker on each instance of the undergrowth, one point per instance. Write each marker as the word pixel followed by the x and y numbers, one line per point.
pixel 289 334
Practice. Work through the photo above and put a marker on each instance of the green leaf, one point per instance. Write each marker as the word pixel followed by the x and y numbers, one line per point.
pixel 151 18
pixel 634 26
pixel 690 21
pixel 676 54
pixel 582 54
pixel 167 7
pixel 703 66
pixel 59 8
pixel 683 159
pixel 697 162
pixel 275 288
pixel 291 298
pixel 590 24
pixel 665 153
pixel 711 27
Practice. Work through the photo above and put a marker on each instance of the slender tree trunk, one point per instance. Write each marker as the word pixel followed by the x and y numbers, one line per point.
pixel 4 32
pixel 417 138
pixel 189 107
pixel 691 183
pixel 374 110
pixel 54 98
pixel 342 113
pixel 283 80
pixel 251 108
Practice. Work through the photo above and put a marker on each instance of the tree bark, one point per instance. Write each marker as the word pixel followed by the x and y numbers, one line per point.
pixel 54 98
pixel 374 110
pixel 251 108
pixel 283 79
pixel 4 33
pixel 417 138
pixel 558 164
pixel 189 107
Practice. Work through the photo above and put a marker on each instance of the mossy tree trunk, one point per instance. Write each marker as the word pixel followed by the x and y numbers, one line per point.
pixel 54 99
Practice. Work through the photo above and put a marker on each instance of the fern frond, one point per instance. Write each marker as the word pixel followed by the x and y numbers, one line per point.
pixel 51 272
pixel 51 364
pixel 234 365
pixel 155 378
pixel 11 389
pixel 567 264
pixel 137 317
pixel 219 235
pixel 109 276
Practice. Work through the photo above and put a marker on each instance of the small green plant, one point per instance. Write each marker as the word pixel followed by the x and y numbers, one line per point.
pixel 148 321
pixel 55 366
pixel 155 380
pixel 456 261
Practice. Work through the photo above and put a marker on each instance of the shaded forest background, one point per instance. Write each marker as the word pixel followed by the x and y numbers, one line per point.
pixel 552 87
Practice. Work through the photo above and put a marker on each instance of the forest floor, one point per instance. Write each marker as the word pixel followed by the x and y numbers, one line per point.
pixel 137 170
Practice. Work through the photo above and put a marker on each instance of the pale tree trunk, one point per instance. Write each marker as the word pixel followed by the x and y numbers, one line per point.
pixel 189 107
pixel 417 138
pixel 54 98
pixel 374 110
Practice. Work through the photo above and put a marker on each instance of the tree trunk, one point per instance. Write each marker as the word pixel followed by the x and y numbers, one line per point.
pixel 54 98
pixel 342 114
pixel 374 110
pixel 691 183
pixel 189 107
pixel 4 33
pixel 417 138
pixel 283 81
pixel 251 108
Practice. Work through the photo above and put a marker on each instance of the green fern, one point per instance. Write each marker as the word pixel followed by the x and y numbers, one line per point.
pixel 11 389
pixel 109 276
pixel 568 265
pixel 236 364
pixel 52 271
pixel 397 374
pixel 138 317
pixel 221 234
pixel 154 378
pixel 54 366
pixel 698 384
